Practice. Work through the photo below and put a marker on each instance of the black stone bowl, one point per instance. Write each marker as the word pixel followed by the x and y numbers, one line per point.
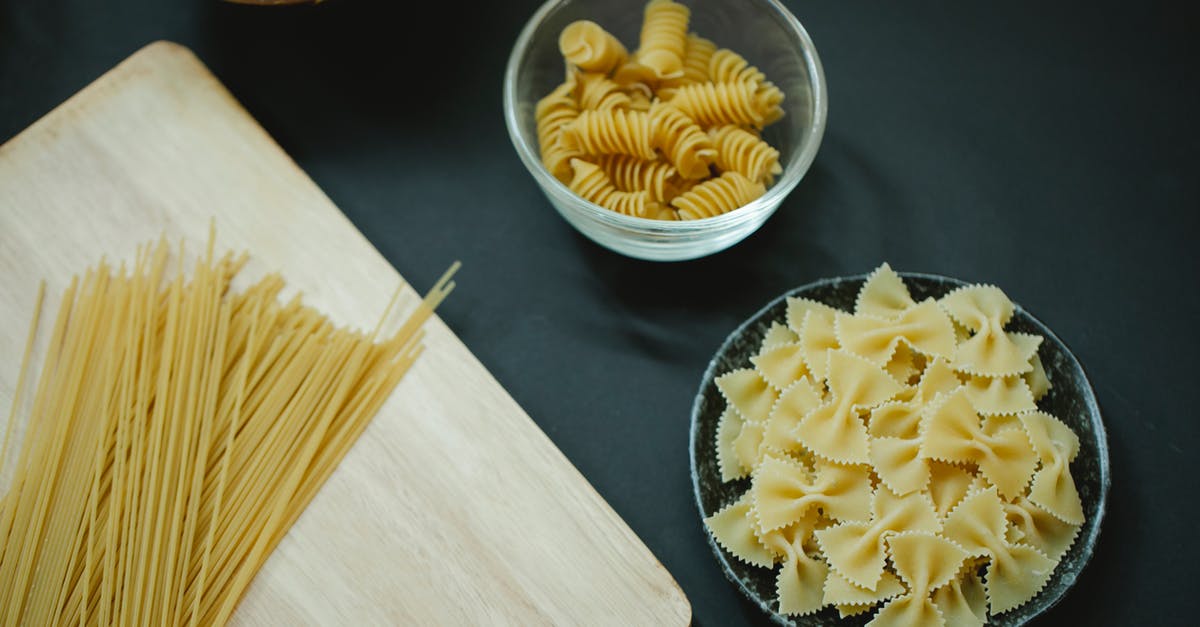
pixel 1070 399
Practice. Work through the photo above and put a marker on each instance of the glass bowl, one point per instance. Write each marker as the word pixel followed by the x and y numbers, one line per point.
pixel 1070 399
pixel 762 31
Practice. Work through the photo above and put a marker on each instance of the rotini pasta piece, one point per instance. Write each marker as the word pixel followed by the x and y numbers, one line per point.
pixel 990 351
pixel 592 184
pixel 632 74
pixel 557 159
pixel 552 113
pixel 953 433
pixel 741 151
pixel 1016 572
pixel 682 141
pixel 717 104
pixel 611 131
pixel 1039 528
pixel 717 196
pixel 591 48
pixel 924 327
pixel 926 562
pixel 883 295
pixel 733 528
pixel 638 100
pixel 664 37
pixel 696 58
pixel 597 92
pixel 780 365
pixel 727 66
pixel 834 430
pixel 749 393
pixel 796 401
pixel 856 549
pixel 1053 487
pixel 631 174
pixel 963 602
pixel 842 591
pixel 999 395
pixel 783 492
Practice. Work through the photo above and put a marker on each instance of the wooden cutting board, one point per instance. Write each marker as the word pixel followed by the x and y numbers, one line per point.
pixel 453 507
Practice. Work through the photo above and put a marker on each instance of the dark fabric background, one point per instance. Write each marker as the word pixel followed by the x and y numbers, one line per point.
pixel 1049 148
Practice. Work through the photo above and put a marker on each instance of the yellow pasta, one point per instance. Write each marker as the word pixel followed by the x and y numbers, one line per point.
pixel 658 104
pixel 630 174
pixel 611 131
pixel 684 144
pixel 591 48
pixel 177 430
pixel 743 152
pixel 597 92
pixel 664 37
pixel 716 196
pixel 930 498
pixel 592 184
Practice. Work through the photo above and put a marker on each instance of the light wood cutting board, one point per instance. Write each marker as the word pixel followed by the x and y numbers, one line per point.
pixel 453 508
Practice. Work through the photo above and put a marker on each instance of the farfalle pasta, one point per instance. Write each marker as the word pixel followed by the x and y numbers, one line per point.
pixel 677 102
pixel 894 458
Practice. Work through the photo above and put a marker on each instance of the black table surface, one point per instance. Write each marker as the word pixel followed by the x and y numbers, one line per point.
pixel 1049 149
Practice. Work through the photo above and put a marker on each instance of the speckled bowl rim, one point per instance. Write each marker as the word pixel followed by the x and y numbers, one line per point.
pixel 1087 393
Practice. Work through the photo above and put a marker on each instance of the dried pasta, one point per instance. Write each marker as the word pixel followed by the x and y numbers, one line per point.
pixel 938 497
pixel 666 104
pixel 177 430
pixel 592 183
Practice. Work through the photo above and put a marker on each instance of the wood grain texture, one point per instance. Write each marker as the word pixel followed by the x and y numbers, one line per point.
pixel 453 508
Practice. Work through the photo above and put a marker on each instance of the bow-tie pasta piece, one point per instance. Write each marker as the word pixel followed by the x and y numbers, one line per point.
pixel 883 294
pixel 1053 486
pixel 781 365
pixel 729 427
pixel 798 308
pixel 801 576
pixel 899 464
pixel 782 492
pixel 817 339
pixel 948 485
pixel 1037 380
pixel 794 403
pixel 999 395
pixel 856 549
pixel 733 529
pixel 1039 528
pixel 842 591
pixel 834 430
pixel 963 602
pixel 924 327
pixel 777 334
pixel 925 562
pixel 905 364
pixel 748 445
pixel 990 351
pixel 1015 572
pixel 748 393
pixel 953 433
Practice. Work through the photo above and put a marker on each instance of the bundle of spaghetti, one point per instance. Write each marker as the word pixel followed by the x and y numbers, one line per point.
pixel 176 432
pixel 716 196
pixel 743 152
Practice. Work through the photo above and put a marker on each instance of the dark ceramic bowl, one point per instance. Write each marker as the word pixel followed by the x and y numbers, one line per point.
pixel 1070 399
